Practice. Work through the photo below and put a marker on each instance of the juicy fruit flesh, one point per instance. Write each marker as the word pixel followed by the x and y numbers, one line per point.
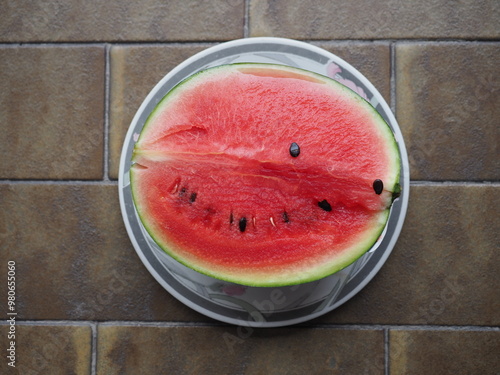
pixel 216 184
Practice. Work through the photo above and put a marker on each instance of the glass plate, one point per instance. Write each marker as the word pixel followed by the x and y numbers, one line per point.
pixel 260 306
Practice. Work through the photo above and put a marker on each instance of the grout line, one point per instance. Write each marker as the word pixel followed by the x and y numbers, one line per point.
pixel 393 77
pixel 410 327
pixel 386 352
pixel 18 44
pixel 454 183
pixel 139 323
pixel 106 112
pixel 203 43
pixel 104 42
pixel 72 323
pixel 49 44
pixel 58 182
pixel 357 327
pixel 347 42
pixel 405 40
pixel 93 360
pixel 246 25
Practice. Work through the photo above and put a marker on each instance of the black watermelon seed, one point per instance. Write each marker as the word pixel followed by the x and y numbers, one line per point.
pixel 294 149
pixel 325 205
pixel 286 219
pixel 243 224
pixel 192 197
pixel 231 218
pixel 378 186
pixel 182 191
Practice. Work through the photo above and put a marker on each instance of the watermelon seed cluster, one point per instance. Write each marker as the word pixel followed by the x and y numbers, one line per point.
pixel 378 187
pixel 183 191
pixel 242 223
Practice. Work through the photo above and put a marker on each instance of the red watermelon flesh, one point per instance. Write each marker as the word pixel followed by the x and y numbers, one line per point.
pixel 218 184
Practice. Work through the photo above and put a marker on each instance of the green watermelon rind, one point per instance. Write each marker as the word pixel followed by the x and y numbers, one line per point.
pixel 341 262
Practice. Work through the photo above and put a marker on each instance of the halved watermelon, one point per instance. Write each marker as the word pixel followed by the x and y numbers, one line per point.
pixel 264 175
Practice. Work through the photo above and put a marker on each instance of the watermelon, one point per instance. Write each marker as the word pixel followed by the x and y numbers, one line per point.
pixel 264 175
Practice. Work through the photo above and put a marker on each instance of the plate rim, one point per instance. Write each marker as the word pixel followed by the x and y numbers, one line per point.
pixel 403 199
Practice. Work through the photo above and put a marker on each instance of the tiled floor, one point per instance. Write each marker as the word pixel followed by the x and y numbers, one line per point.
pixel 72 75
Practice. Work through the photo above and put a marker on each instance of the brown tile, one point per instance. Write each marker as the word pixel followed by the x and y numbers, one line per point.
pixel 74 259
pixel 444 268
pixel 51 112
pixel 238 350
pixel 151 20
pixel 47 349
pixel 444 352
pixel 448 106
pixel 372 59
pixel 364 20
pixel 135 70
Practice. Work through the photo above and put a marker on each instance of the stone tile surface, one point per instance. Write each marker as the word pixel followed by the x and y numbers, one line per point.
pixel 373 60
pixel 448 106
pixel 367 20
pixel 151 20
pixel 52 112
pixel 74 235
pixel 80 286
pixel 48 349
pixel 444 268
pixel 135 70
pixel 74 259
pixel 238 350
pixel 444 352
